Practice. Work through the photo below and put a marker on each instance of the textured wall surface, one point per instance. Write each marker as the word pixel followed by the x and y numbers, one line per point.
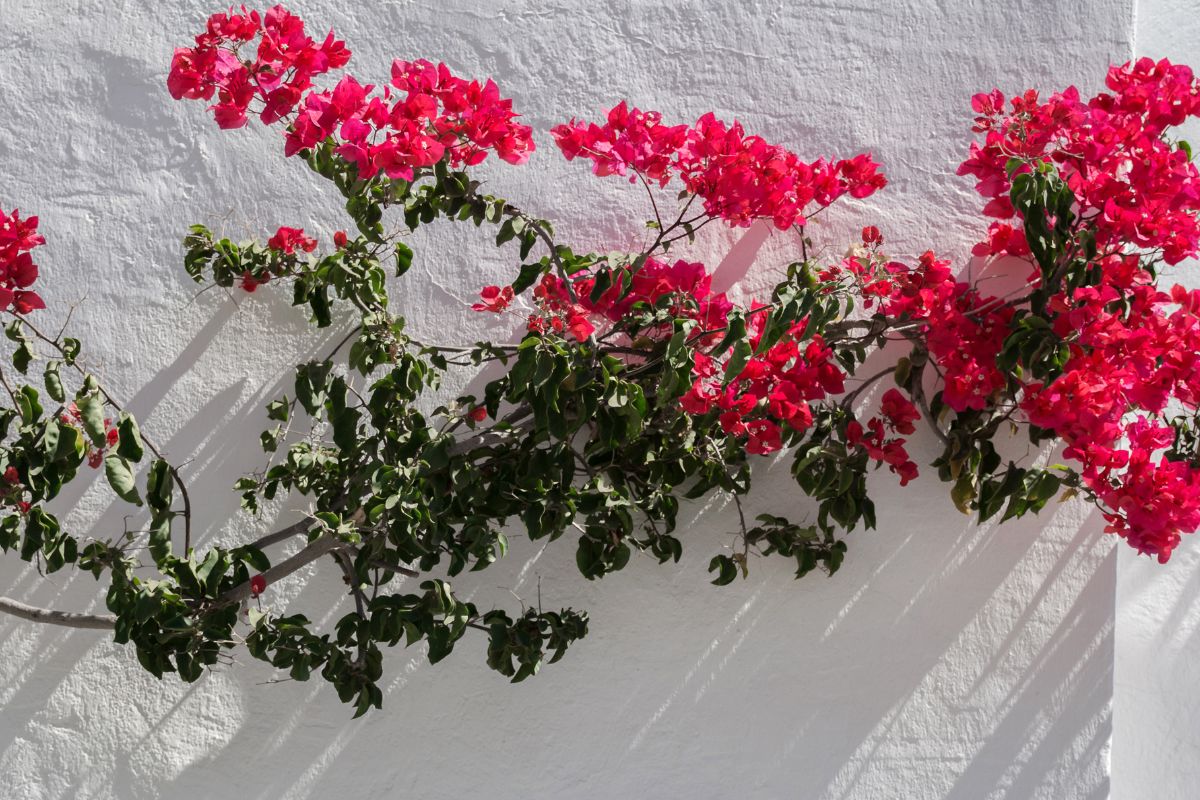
pixel 946 660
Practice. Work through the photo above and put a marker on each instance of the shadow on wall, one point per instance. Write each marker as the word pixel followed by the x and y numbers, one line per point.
pixel 946 660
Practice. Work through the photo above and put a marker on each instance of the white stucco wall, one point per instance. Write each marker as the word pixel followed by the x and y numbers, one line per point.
pixel 944 661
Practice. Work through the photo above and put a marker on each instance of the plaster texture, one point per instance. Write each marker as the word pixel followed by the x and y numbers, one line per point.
pixel 946 660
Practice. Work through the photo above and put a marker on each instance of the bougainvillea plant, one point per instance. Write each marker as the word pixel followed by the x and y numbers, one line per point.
pixel 636 385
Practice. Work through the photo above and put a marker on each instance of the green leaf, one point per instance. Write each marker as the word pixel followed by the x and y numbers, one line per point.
pixel 91 409
pixel 53 381
pixel 726 569
pixel 963 493
pixel 735 331
pixel 254 557
pixel 70 350
pixel 318 301
pixel 30 408
pixel 603 281
pixel 528 274
pixel 529 238
pixel 130 442
pixel 160 538
pixel 506 233
pixel 159 485
pixel 737 360
pixel 311 379
pixel 120 477
pixel 404 258
pixel 21 357
pixel 278 410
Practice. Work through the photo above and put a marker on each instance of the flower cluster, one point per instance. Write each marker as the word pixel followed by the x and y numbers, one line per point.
pixel 434 115
pixel 1135 354
pixel 277 76
pixel 289 240
pixel 556 312
pixel 897 415
pixel 17 269
pixel 1131 347
pixel 494 299
pixel 773 390
pixel 739 177
pixel 1135 187
pixel 963 330
pixel 688 286
pixel 431 114
pixel 285 245
pixel 12 491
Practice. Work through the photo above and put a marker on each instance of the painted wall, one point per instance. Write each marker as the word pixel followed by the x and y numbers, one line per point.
pixel 946 660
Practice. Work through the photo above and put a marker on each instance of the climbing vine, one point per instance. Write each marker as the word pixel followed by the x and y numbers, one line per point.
pixel 636 386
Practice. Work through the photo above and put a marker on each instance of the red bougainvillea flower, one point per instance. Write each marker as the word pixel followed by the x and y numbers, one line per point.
pixel 880 448
pixel 250 283
pixel 425 114
pixel 899 412
pixel 739 177
pixel 494 299
pixel 289 240
pixel 277 75
pixel 17 269
pixel 964 330
pixel 1140 188
pixel 558 313
pixel 630 141
pixel 1131 349
pixel 688 283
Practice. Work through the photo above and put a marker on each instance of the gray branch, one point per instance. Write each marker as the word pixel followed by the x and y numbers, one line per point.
pixel 68 619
